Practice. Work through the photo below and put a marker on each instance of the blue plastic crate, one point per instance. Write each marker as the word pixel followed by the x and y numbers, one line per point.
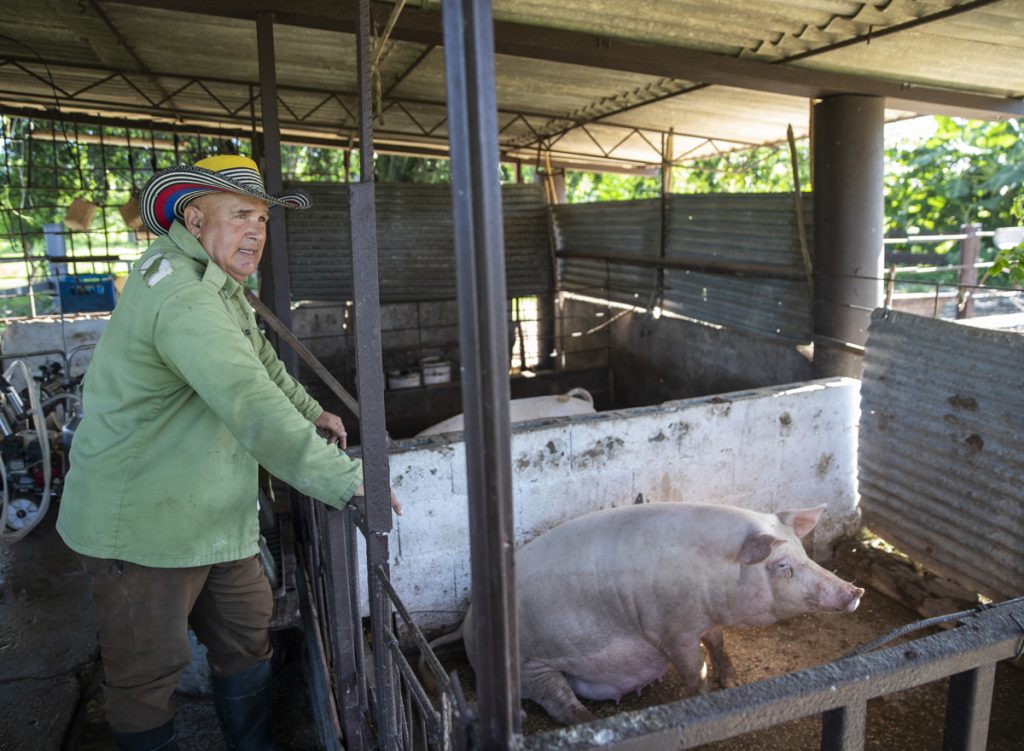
pixel 87 293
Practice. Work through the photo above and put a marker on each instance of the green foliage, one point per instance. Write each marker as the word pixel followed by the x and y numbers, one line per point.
pixel 767 169
pixel 391 168
pixel 762 170
pixel 586 187
pixel 315 164
pixel 967 172
pixel 1011 260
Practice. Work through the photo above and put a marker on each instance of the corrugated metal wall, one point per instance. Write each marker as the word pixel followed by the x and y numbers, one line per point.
pixel 720 228
pixel 941 466
pixel 414 239
pixel 620 228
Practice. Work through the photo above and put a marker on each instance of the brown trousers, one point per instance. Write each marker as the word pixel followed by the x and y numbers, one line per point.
pixel 145 614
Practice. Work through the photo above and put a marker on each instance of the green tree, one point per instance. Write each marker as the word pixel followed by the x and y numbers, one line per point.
pixel 1011 260
pixel 766 169
pixel 585 187
pixel 967 172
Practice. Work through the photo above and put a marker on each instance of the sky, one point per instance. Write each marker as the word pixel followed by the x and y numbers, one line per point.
pixel 909 131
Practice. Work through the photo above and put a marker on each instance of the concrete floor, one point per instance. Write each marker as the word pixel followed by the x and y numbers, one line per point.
pixel 50 672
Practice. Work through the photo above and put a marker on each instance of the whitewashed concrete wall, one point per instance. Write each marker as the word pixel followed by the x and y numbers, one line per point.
pixel 65 335
pixel 766 449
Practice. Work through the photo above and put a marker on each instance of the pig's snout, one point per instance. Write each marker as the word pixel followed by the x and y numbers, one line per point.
pixel 841 596
pixel 855 594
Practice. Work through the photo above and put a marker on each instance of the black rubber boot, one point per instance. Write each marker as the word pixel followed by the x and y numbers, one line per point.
pixel 243 703
pixel 162 738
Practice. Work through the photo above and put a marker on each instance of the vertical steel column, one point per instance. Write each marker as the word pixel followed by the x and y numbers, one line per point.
pixel 480 257
pixel 370 381
pixel 968 709
pixel 848 223
pixel 275 285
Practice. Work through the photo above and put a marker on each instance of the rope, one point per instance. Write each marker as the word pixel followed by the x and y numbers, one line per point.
pixel 918 625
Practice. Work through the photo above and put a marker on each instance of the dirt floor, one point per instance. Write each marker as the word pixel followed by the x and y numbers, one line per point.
pixel 908 721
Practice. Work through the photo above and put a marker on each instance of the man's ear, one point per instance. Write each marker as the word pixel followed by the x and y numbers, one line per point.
pixel 193 219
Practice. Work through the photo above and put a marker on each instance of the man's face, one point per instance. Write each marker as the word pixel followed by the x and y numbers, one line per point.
pixel 232 229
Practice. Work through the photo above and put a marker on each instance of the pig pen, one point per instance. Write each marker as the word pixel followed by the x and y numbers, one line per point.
pixel 763 449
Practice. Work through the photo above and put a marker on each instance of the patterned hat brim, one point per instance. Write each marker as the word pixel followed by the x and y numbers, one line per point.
pixel 165 196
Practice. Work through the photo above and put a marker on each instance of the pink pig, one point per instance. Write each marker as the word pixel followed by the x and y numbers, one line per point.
pixel 609 600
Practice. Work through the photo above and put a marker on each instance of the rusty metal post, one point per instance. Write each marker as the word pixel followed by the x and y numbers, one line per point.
pixel 968 276
pixel 480 259
pixel 848 225
pixel 369 377
pixel 275 284
pixel 339 553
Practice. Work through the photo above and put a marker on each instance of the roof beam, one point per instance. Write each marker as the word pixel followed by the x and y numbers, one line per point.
pixel 157 109
pixel 578 48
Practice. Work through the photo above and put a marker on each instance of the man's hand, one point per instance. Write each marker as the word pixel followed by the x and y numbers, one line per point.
pixel 395 505
pixel 332 428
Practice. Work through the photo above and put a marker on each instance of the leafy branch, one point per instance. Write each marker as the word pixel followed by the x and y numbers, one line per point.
pixel 1011 260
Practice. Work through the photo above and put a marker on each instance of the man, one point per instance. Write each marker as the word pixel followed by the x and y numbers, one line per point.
pixel 183 399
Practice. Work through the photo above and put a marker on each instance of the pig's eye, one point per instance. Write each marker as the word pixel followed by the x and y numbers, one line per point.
pixel 783 568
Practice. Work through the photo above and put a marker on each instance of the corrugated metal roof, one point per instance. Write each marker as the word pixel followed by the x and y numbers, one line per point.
pixel 727 229
pixel 414 243
pixel 941 468
pixel 193 62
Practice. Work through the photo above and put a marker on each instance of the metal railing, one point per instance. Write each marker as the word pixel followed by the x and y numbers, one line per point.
pixel 350 710
pixel 838 691
pixel 356 706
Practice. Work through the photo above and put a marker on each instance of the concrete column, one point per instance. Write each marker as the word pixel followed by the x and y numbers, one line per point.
pixel 848 227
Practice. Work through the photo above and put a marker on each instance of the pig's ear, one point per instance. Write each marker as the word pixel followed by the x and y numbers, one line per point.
pixel 801 520
pixel 758 547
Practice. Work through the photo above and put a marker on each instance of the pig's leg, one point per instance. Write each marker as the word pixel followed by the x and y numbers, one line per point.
pixel 551 690
pixel 686 656
pixel 721 666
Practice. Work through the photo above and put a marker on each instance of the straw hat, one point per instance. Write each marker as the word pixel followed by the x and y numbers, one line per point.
pixel 168 192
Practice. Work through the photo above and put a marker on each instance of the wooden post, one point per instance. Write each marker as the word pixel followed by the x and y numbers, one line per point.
pixel 968 277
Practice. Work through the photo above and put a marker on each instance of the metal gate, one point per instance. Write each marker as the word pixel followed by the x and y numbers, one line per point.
pixel 357 705
pixel 349 697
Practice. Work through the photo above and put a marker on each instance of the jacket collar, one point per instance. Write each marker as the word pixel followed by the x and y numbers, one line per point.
pixel 190 246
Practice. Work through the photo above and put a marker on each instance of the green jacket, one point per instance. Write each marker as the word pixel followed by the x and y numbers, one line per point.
pixel 183 397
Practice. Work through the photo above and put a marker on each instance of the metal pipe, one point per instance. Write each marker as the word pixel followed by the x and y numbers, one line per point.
pixel 762 270
pixel 480 263
pixel 848 223
pixel 369 370
pixel 302 351
pixel 990 635
pixel 274 282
